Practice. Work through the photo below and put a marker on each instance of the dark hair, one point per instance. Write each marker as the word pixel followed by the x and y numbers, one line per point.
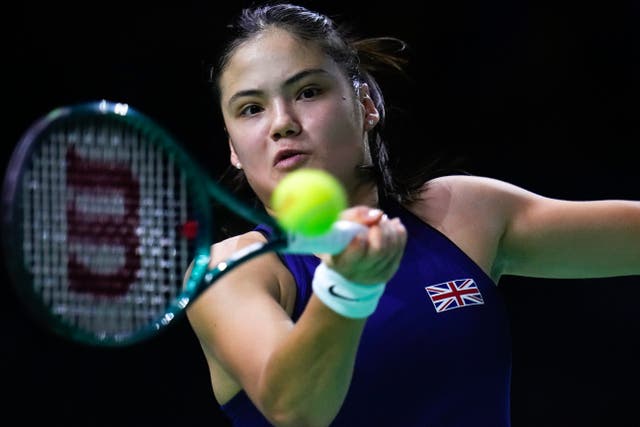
pixel 359 58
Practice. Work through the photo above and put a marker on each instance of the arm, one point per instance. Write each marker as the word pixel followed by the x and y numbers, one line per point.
pixel 543 237
pixel 296 374
pixel 509 230
pixel 570 239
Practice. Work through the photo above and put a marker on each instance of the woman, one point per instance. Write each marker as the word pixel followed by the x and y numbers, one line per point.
pixel 430 344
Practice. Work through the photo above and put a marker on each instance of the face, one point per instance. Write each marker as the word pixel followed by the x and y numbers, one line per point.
pixel 287 105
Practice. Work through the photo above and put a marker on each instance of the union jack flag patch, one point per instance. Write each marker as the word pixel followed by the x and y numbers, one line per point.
pixel 454 294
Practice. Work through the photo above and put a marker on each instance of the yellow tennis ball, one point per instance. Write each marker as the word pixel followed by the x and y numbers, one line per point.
pixel 308 201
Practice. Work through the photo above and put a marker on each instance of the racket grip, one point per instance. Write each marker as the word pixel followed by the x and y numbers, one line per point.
pixel 332 242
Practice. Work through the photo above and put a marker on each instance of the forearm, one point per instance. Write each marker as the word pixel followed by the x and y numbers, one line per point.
pixel 563 239
pixel 306 378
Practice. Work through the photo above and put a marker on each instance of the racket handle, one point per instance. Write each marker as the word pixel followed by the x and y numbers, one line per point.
pixel 332 242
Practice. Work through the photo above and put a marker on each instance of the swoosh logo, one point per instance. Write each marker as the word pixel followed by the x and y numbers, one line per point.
pixel 337 295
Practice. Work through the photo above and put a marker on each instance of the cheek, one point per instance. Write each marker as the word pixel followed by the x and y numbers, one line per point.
pixel 345 139
pixel 245 142
pixel 341 142
pixel 339 126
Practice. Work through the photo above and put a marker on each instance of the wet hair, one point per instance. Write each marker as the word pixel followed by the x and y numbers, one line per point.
pixel 359 58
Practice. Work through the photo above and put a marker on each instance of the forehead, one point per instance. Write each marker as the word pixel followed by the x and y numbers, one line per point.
pixel 272 55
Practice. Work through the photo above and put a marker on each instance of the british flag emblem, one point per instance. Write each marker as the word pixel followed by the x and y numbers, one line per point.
pixel 454 294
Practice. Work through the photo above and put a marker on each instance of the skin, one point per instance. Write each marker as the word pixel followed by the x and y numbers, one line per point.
pixel 273 101
pixel 279 94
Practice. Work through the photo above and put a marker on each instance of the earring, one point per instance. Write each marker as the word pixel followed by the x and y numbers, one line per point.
pixel 371 122
pixel 238 165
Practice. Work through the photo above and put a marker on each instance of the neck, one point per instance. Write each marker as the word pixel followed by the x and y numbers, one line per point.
pixel 364 193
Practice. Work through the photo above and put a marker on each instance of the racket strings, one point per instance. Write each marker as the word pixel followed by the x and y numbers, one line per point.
pixel 103 208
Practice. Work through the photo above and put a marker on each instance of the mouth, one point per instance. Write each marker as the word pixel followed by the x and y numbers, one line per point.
pixel 287 158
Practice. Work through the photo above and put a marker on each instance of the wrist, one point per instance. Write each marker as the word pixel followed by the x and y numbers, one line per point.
pixel 347 298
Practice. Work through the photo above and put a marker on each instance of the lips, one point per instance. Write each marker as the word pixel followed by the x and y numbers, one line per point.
pixel 286 158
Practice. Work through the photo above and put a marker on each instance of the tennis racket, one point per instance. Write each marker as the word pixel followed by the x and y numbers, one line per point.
pixel 103 215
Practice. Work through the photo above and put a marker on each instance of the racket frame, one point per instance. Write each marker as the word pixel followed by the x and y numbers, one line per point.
pixel 204 191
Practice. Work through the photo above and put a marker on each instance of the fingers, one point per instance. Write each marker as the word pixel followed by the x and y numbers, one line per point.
pixel 371 257
pixel 387 232
pixel 385 247
pixel 362 215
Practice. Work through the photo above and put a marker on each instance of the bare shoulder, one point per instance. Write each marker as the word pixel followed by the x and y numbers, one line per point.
pixel 224 249
pixel 455 196
pixel 227 247
pixel 265 272
pixel 264 276
pixel 472 211
pixel 473 186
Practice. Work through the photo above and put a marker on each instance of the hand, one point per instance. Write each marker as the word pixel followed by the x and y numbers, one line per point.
pixel 371 257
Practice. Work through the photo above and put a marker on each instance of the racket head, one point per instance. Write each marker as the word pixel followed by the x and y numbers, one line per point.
pixel 103 212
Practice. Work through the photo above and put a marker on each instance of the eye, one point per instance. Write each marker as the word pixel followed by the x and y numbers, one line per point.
pixel 250 110
pixel 309 92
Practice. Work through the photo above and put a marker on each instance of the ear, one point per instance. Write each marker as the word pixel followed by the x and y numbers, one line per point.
pixel 371 114
pixel 233 157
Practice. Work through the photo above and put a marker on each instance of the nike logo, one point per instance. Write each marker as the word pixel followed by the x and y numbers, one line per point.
pixel 337 295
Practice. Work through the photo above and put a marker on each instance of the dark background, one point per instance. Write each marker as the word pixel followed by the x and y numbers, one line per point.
pixel 542 94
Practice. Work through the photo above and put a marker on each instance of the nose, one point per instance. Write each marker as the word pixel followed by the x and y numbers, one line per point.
pixel 285 123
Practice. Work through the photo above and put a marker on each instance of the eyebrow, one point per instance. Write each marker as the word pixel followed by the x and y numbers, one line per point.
pixel 288 82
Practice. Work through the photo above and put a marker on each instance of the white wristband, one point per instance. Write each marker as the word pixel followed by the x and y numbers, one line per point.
pixel 349 299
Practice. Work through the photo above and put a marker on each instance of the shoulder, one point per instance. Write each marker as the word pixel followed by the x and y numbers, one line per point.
pixel 457 194
pixel 472 211
pixel 266 268
pixel 472 186
pixel 264 274
pixel 227 247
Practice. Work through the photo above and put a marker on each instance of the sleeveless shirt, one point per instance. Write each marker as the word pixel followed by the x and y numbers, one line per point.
pixel 435 353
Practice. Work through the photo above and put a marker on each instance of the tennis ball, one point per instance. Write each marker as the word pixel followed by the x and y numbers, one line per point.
pixel 308 201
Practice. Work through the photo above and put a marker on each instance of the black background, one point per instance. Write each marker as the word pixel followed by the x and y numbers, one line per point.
pixel 542 94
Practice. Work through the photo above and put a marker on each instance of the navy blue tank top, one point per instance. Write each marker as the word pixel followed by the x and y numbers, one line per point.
pixel 436 352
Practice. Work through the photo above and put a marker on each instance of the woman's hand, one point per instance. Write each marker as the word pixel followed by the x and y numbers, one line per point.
pixel 371 257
